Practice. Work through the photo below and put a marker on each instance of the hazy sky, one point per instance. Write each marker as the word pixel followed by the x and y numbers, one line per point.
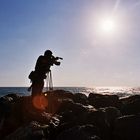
pixel 72 30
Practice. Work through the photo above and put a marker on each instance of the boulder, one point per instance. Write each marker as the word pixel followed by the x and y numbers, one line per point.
pixel 80 98
pixel 98 119
pixel 85 132
pixel 59 94
pixel 127 128
pixel 130 105
pixel 99 100
pixel 20 112
pixel 52 131
pixel 71 111
pixel 111 114
pixel 31 131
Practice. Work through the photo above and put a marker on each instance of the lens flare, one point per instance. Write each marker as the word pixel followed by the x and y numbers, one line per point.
pixel 40 102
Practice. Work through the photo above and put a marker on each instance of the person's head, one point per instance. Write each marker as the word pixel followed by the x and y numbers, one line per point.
pixel 48 53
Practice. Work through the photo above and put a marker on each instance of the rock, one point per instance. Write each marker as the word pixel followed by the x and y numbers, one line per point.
pixel 28 132
pixel 127 128
pixel 80 98
pixel 14 97
pixel 98 100
pixel 74 114
pixel 111 114
pixel 86 132
pixel 71 111
pixel 5 106
pixel 60 94
pixel 7 123
pixel 69 116
pixel 54 98
pixel 21 112
pixel 52 131
pixel 131 105
pixel 98 119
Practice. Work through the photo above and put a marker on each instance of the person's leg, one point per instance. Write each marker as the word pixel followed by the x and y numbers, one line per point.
pixel 37 87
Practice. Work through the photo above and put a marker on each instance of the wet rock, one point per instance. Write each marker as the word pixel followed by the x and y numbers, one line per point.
pixel 127 128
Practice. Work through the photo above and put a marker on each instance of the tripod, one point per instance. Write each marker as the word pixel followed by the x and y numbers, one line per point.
pixel 49 83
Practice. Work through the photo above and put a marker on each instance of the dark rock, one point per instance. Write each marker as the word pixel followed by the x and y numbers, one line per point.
pixel 77 114
pixel 21 112
pixel 69 116
pixel 52 131
pixel 80 98
pixel 32 131
pixel 98 119
pixel 111 114
pixel 15 97
pixel 127 128
pixel 54 98
pixel 99 100
pixel 131 105
pixel 86 132
pixel 71 111
pixel 5 106
pixel 60 94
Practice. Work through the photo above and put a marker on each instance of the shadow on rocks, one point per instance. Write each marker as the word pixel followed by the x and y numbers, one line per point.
pixel 86 132
pixel 127 128
pixel 130 105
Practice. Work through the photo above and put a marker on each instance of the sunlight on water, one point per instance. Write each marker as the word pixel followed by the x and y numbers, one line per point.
pixel 120 91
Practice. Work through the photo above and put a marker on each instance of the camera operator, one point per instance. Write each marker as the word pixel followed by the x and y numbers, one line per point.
pixel 43 64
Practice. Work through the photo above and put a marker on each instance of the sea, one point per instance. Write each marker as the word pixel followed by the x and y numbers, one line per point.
pixel 120 91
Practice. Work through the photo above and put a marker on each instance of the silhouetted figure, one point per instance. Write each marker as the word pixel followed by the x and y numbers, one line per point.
pixel 43 64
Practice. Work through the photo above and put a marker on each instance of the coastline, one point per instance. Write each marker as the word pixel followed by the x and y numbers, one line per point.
pixel 70 116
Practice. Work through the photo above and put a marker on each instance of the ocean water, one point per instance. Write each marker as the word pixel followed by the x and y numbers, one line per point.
pixel 120 91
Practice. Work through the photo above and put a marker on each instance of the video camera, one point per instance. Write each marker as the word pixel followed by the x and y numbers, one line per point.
pixel 56 62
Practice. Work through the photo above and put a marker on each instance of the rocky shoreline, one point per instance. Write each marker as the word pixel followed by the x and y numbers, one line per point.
pixel 70 116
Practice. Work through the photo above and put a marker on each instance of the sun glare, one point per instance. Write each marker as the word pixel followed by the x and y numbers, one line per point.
pixel 107 25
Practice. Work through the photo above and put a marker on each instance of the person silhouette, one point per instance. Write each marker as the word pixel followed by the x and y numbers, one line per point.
pixel 43 64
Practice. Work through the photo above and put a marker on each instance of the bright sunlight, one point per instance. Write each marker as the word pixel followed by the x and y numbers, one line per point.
pixel 107 25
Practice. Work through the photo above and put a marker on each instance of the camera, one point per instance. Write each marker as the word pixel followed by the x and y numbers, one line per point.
pixel 57 62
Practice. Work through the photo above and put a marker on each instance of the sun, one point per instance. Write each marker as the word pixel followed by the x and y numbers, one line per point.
pixel 107 25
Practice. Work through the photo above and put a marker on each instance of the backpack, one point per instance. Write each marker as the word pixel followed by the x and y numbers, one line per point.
pixel 36 76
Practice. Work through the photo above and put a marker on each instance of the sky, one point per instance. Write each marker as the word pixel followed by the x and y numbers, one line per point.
pixel 72 29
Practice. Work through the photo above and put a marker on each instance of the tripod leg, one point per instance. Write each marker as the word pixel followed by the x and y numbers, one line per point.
pixel 51 83
pixel 47 81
